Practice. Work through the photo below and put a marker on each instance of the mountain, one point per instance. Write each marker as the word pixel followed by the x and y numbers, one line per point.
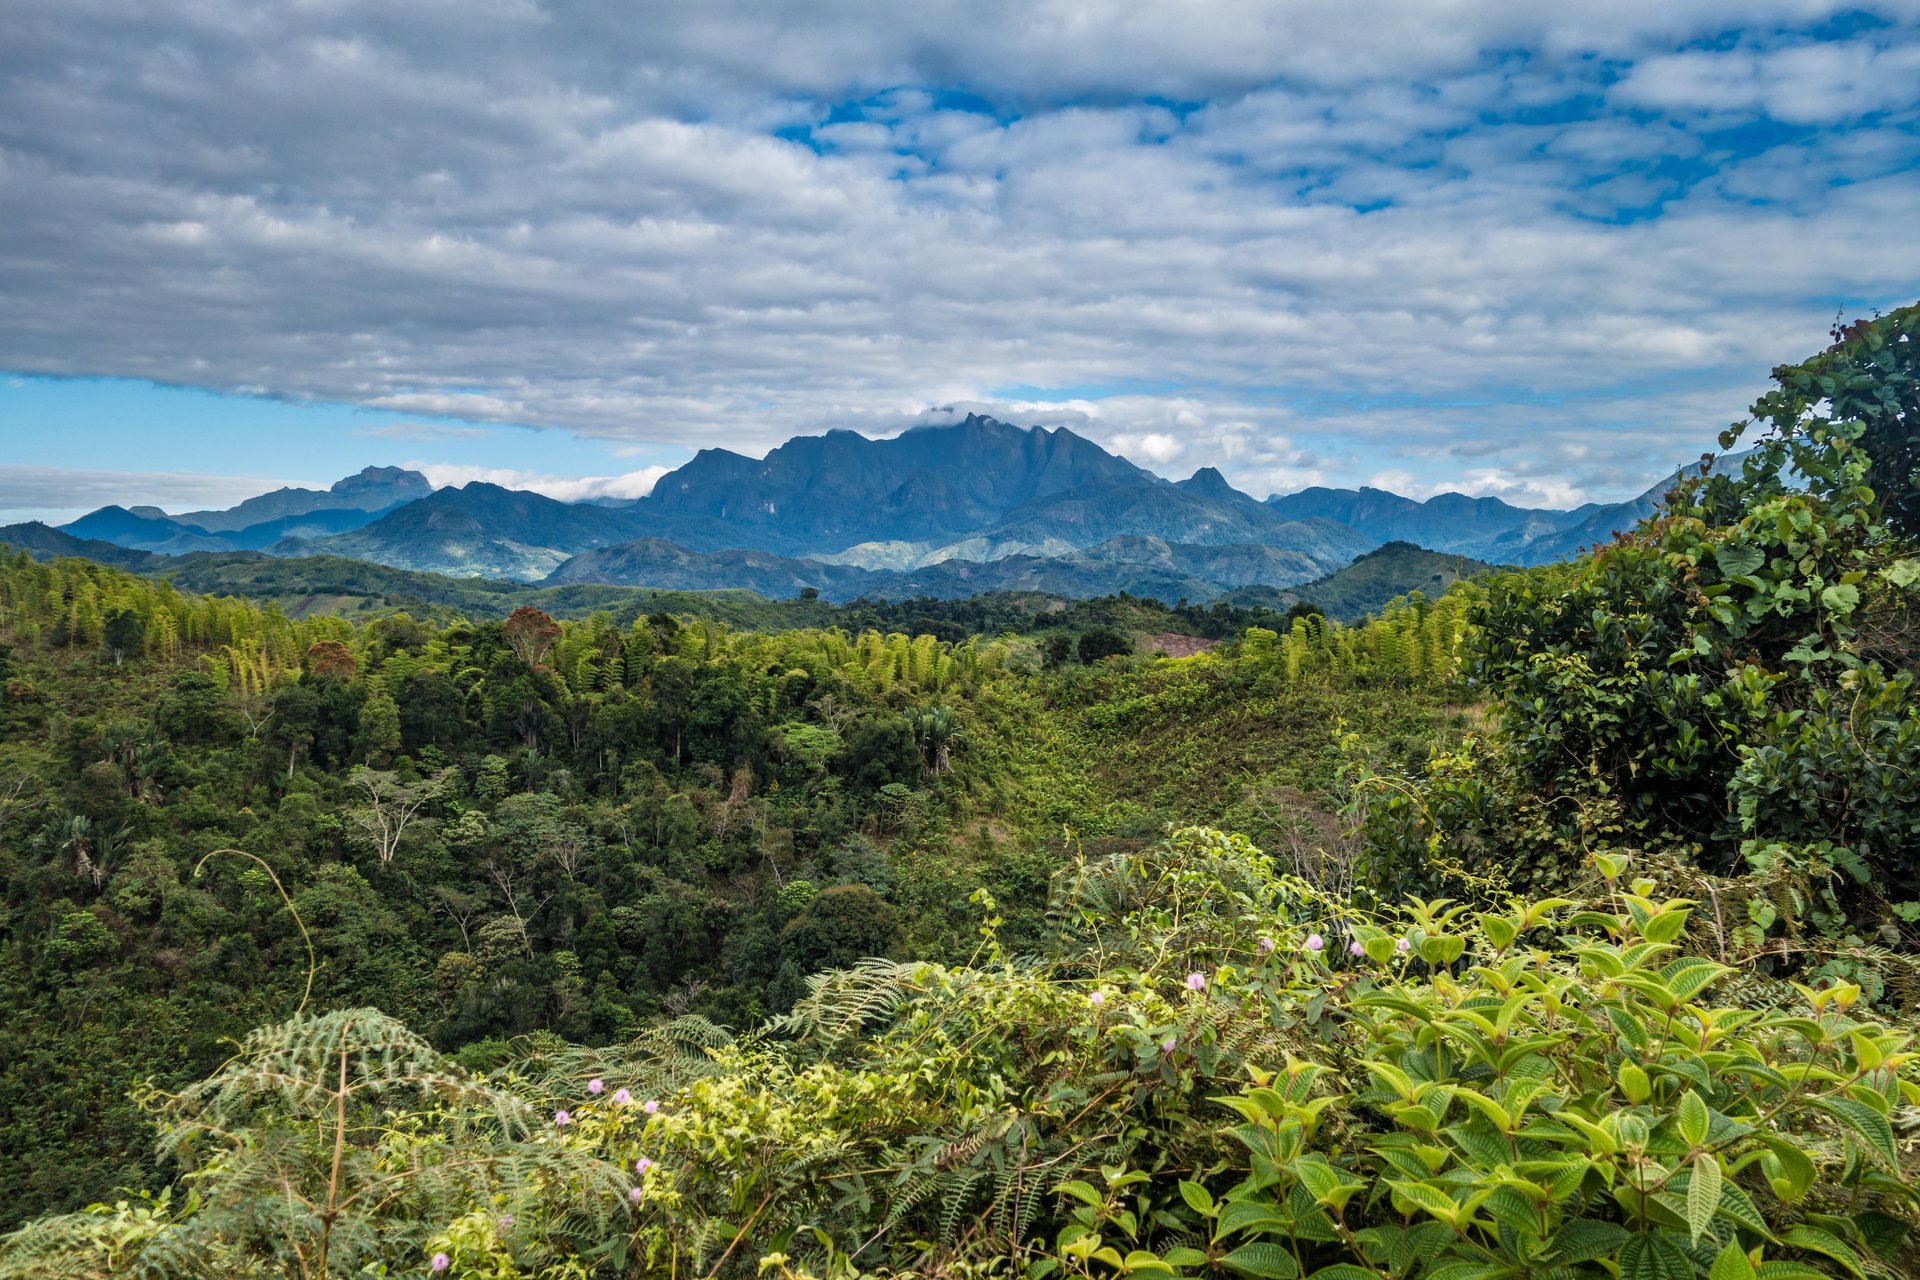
pixel 44 542
pixel 480 530
pixel 829 492
pixel 1091 514
pixel 127 529
pixel 1446 522
pixel 1365 586
pixel 1207 482
pixel 372 489
pixel 1597 526
pixel 1139 565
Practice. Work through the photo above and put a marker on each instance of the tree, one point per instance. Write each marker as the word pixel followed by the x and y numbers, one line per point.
pixel 391 806
pixel 330 658
pixel 1868 379
pixel 841 926
pixel 530 633
pixel 123 634
pixel 379 727
pixel 1102 642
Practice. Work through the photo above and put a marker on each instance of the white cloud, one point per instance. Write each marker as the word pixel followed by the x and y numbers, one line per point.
pixel 424 431
pixel 1378 241
pixel 59 494
pixel 631 484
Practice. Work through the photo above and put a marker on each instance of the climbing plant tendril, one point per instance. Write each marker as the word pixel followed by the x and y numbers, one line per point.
pixel 313 964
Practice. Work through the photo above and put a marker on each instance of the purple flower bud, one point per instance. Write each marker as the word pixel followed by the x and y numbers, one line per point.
pixel 636 1195
pixel 1166 1046
pixel 621 1097
pixel 506 1221
pixel 1316 943
pixel 1403 946
pixel 441 1262
pixel 562 1119
pixel 1355 949
pixel 1097 999
pixel 649 1106
pixel 1196 982
pixel 596 1086
pixel 642 1165
pixel 1267 945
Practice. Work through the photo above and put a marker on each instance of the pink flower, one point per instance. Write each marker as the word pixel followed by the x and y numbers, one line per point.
pixel 1166 1046
pixel 506 1221
pixel 1196 982
pixel 1267 945
pixel 1097 998
pixel 596 1086
pixel 562 1119
pixel 1316 943
pixel 642 1165
pixel 649 1106
pixel 441 1262
pixel 1355 949
pixel 621 1097
pixel 1403 946
pixel 636 1195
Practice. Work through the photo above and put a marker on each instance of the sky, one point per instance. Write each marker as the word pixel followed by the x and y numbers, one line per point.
pixel 1539 251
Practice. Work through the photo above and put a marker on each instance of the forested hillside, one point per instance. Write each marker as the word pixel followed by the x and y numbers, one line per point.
pixel 1567 932
pixel 522 825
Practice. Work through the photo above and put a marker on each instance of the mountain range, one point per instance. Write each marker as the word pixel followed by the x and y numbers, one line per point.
pixel 957 509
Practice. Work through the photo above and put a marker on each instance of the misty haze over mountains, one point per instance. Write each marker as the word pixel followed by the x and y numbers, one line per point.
pixel 948 510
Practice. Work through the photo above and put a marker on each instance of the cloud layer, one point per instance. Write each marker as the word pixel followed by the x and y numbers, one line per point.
pixel 1541 251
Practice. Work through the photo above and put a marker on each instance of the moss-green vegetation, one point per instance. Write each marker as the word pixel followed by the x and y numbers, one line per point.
pixel 655 946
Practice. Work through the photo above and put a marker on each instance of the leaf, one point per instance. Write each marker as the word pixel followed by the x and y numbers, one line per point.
pixel 1796 1169
pixel 1688 977
pixel 1736 1206
pixel 1243 1215
pixel 1840 598
pixel 1427 1198
pixel 1264 1259
pixel 1693 1118
pixel 1814 1240
pixel 1182 1256
pixel 1731 1264
pixel 1703 1195
pixel 1082 1192
pixel 1866 1122
pixel 1736 560
pixel 1652 1257
pixel 1198 1198
pixel 1585 1239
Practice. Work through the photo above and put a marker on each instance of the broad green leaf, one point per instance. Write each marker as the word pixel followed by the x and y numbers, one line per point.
pixel 1703 1195
pixel 1688 977
pixel 1261 1258
pixel 1693 1118
pixel 1081 1191
pixel 1653 1257
pixel 1585 1239
pixel 1789 1170
pixel 1181 1256
pixel 1865 1121
pixel 1731 1264
pixel 1426 1197
pixel 1814 1240
pixel 1198 1198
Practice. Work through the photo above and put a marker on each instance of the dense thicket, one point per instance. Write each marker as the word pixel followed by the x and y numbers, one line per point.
pixel 520 825
pixel 591 860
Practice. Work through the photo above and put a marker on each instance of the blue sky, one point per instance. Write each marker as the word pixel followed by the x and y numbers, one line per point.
pixel 1543 252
